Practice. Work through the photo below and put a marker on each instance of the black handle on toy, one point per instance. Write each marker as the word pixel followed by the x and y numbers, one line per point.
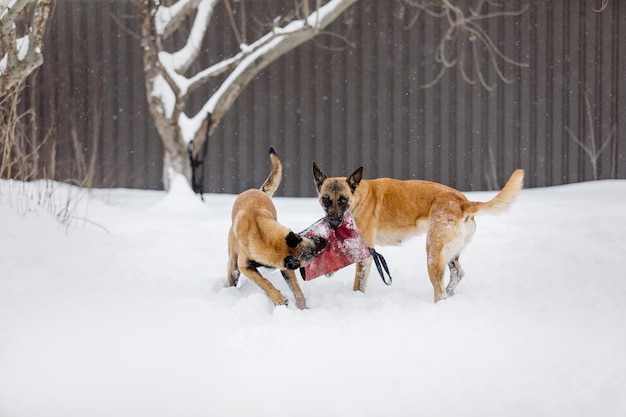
pixel 380 265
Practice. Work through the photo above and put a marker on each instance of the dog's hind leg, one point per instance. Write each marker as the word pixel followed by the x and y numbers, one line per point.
pixel 362 273
pixel 456 275
pixel 292 282
pixel 436 262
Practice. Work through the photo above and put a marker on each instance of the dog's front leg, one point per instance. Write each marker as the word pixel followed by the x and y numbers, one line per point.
pixel 292 282
pixel 233 271
pixel 436 267
pixel 232 274
pixel 362 273
pixel 271 291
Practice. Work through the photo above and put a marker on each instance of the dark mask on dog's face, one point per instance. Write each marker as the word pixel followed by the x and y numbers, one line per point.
pixel 335 193
pixel 303 249
pixel 334 205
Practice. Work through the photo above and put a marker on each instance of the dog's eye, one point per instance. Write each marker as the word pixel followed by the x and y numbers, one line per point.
pixel 326 202
pixel 342 202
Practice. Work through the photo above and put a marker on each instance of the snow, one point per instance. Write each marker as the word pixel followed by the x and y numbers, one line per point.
pixel 163 91
pixel 125 313
pixel 185 56
pixel 22 45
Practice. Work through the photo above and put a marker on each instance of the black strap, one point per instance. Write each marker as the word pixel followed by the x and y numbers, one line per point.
pixel 380 265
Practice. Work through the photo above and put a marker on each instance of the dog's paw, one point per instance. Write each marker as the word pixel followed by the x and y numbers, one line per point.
pixel 291 263
pixel 301 304
pixel 281 302
pixel 440 297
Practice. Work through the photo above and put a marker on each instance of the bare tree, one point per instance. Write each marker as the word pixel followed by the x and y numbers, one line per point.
pixel 465 39
pixel 169 84
pixel 22 25
pixel 591 146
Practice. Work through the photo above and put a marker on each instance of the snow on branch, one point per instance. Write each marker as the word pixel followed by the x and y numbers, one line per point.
pixel 267 49
pixel 169 83
pixel 248 61
pixel 21 54
pixel 168 18
pixel 184 57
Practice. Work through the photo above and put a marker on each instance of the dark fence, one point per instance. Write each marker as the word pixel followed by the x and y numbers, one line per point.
pixel 347 104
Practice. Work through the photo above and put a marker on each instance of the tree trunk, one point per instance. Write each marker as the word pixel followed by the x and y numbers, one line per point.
pixel 176 156
pixel 176 163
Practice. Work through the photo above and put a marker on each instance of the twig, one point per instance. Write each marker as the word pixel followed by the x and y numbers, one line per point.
pixel 233 25
pixel 465 31
pixel 592 150
pixel 605 4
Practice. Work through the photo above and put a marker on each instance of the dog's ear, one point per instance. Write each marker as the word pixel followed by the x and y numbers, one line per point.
pixel 293 240
pixel 319 176
pixel 355 179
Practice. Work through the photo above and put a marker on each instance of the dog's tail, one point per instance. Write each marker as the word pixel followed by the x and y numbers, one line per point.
pixel 273 180
pixel 503 200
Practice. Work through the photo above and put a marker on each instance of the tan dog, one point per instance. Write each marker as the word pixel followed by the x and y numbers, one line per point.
pixel 389 211
pixel 257 239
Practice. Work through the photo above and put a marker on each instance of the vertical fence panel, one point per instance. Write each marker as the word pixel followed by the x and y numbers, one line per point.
pixel 618 149
pixel 354 104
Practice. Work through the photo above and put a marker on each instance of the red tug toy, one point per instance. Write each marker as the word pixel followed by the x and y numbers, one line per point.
pixel 345 247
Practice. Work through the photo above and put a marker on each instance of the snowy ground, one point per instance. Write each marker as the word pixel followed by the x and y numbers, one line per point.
pixel 126 314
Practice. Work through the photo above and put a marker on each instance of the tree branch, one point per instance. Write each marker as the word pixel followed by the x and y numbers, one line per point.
pixel 183 58
pixel 465 31
pixel 24 54
pixel 168 18
pixel 269 48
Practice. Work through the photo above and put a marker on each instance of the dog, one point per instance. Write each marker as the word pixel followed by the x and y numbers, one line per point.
pixel 257 239
pixel 388 211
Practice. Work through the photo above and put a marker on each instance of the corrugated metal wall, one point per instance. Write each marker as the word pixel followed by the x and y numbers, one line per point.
pixel 348 106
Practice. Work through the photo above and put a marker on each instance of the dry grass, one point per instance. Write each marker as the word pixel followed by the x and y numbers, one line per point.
pixel 28 168
pixel 18 155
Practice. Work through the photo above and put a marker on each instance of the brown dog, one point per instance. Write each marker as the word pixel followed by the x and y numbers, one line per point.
pixel 257 239
pixel 389 211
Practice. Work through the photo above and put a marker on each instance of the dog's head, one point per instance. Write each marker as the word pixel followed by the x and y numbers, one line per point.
pixel 302 249
pixel 335 193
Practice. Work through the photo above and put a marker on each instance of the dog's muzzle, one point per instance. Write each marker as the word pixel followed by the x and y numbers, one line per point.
pixel 320 245
pixel 334 222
